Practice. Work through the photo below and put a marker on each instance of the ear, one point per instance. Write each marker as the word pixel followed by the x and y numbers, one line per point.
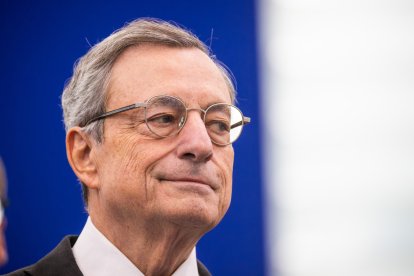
pixel 80 154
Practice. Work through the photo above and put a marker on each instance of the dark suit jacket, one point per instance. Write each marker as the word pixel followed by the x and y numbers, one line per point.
pixel 61 262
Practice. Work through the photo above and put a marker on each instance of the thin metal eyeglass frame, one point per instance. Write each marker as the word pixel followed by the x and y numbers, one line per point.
pixel 245 120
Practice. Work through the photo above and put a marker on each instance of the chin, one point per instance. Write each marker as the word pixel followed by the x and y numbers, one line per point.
pixel 196 216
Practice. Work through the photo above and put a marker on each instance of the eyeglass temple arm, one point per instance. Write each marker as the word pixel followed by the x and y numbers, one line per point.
pixel 245 121
pixel 115 111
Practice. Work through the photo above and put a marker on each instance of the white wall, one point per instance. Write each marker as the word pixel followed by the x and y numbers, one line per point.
pixel 338 107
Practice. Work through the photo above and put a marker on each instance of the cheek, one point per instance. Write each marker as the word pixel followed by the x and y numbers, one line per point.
pixel 127 158
pixel 120 161
pixel 228 161
pixel 133 158
pixel 227 172
pixel 129 152
pixel 123 173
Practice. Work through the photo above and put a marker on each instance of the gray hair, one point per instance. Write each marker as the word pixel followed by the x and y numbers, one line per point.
pixel 85 95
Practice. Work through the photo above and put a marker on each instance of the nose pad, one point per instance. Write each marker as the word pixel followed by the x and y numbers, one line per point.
pixel 181 122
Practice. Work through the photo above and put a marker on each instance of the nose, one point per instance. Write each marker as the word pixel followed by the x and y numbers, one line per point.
pixel 195 143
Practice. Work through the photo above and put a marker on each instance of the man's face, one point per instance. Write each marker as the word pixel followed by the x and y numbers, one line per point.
pixel 183 179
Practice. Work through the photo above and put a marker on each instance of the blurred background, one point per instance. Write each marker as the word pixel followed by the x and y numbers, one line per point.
pixel 324 175
pixel 337 82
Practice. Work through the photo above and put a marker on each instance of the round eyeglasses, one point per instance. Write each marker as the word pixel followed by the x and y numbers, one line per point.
pixel 166 116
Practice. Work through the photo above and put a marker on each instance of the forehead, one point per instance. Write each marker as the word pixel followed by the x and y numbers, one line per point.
pixel 144 71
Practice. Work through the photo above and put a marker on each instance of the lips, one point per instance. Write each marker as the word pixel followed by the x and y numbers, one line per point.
pixel 190 180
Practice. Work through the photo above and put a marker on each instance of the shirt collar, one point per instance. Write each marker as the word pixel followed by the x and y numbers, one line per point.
pixel 96 255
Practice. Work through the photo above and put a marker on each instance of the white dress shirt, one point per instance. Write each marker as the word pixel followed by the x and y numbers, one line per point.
pixel 96 255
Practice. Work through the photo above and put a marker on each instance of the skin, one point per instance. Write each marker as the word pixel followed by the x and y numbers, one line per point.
pixel 155 198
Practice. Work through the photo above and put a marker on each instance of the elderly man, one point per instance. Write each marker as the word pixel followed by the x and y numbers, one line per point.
pixel 150 122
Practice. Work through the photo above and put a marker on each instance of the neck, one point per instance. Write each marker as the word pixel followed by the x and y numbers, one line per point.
pixel 154 248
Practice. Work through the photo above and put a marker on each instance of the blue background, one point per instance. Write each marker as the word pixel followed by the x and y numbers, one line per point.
pixel 39 44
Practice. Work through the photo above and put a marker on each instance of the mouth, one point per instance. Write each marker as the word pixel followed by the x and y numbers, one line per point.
pixel 189 182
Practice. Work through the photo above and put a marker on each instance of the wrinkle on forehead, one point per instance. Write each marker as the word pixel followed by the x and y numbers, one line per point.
pixel 166 71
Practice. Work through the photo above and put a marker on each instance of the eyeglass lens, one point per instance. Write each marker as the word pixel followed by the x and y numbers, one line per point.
pixel 166 115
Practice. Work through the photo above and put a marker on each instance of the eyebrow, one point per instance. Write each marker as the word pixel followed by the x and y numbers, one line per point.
pixel 204 106
pixel 197 100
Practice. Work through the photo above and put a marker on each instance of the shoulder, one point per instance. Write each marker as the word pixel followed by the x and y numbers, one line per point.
pixel 60 261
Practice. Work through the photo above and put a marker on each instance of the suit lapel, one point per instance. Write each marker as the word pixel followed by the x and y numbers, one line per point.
pixel 60 261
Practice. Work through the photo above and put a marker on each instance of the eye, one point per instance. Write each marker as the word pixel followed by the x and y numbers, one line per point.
pixel 218 126
pixel 161 120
